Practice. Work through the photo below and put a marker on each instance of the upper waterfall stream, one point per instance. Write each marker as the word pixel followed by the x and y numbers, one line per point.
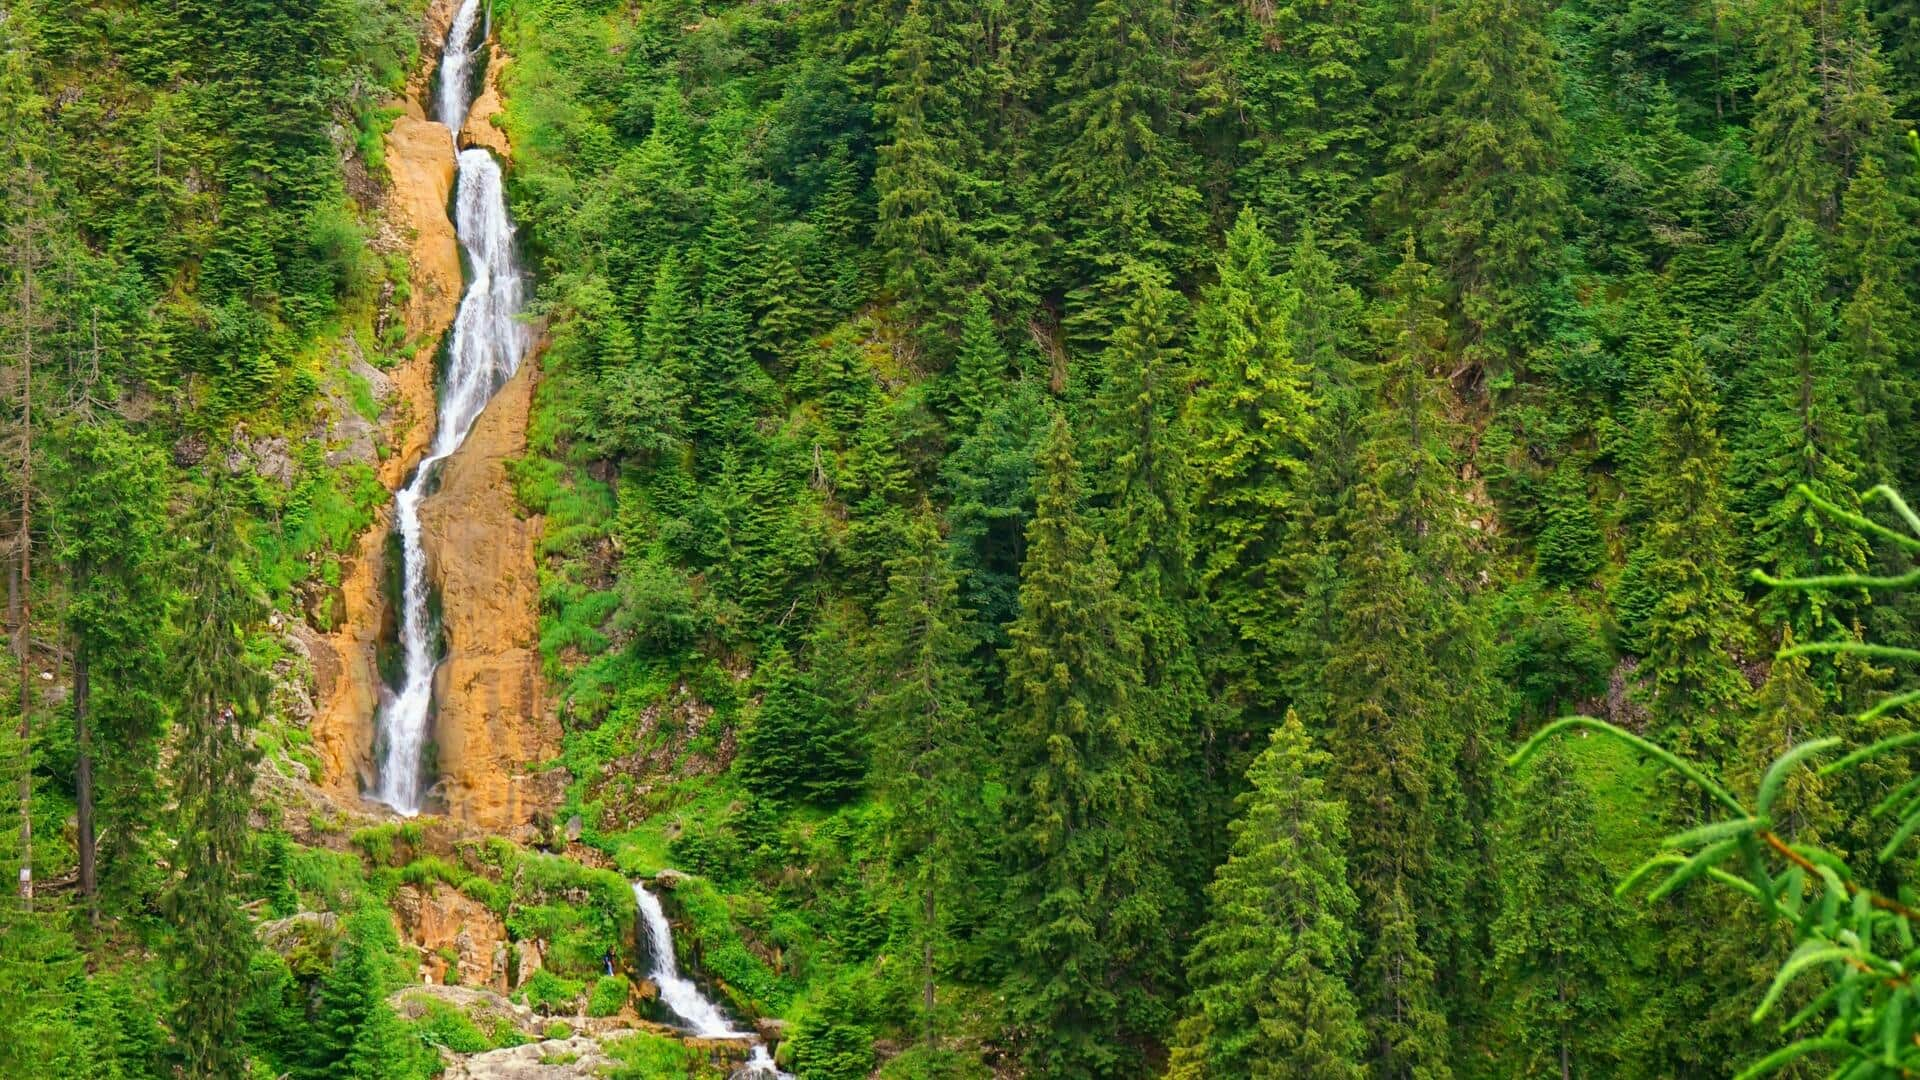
pixel 483 352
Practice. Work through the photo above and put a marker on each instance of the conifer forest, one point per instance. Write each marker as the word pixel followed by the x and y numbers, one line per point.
pixel 959 539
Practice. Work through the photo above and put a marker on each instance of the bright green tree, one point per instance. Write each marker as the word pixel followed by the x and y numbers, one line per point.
pixel 1268 970
pixel 1250 418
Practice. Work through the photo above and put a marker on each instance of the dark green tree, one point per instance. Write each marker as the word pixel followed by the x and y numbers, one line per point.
pixel 928 743
pixel 222 692
pixel 1561 939
pixel 1477 170
pixel 1087 879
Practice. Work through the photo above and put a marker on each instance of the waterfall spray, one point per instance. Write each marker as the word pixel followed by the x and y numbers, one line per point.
pixel 484 351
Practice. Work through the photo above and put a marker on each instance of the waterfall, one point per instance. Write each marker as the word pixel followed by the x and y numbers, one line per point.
pixel 702 1016
pixel 485 348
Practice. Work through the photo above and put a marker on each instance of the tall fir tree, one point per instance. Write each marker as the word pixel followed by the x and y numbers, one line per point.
pixel 1250 418
pixel 1800 429
pixel 1088 888
pixel 1562 939
pixel 1695 628
pixel 223 690
pixel 929 743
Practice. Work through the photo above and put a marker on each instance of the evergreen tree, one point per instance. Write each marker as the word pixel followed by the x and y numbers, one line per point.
pixel 222 692
pixel 979 370
pixel 1122 183
pixel 1877 324
pixel 1479 172
pixel 1694 629
pixel 1561 940
pixel 794 747
pixel 919 228
pixel 1268 970
pixel 1791 181
pixel 928 743
pixel 1569 550
pixel 1306 74
pixel 1250 419
pixel 109 518
pixel 1088 890
pixel 1800 429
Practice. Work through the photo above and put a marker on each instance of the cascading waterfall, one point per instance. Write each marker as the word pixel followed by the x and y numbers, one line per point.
pixel 702 1016
pixel 487 343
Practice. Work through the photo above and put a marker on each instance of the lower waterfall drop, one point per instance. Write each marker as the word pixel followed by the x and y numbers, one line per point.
pixel 703 1018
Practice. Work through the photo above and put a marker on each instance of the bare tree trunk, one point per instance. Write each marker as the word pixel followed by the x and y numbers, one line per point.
pixel 83 779
pixel 926 962
pixel 24 643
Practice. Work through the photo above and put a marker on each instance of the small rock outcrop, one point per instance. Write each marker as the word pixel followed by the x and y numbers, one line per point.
pixel 488 1010
pixel 575 1058
pixel 443 922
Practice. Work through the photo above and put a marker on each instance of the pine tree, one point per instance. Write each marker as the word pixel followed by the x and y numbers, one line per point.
pixel 1561 938
pixel 1877 324
pixel 990 480
pixel 794 747
pixel 1570 549
pixel 1479 172
pixel 1791 181
pixel 1306 74
pixel 109 520
pixel 1088 890
pixel 979 369
pixel 919 229
pixel 1250 419
pixel 1268 970
pixel 1123 183
pixel 928 742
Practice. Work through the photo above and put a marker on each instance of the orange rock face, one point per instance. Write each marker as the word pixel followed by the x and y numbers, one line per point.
pixel 421 162
pixel 483 120
pixel 492 723
pixel 443 922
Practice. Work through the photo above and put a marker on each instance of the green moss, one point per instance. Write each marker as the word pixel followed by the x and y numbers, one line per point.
pixel 644 1056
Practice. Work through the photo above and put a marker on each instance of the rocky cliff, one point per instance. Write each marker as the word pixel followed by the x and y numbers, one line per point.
pixel 491 720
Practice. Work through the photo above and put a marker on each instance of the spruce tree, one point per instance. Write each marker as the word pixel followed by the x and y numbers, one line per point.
pixel 979 370
pixel 222 692
pixel 928 744
pixel 1800 429
pixel 109 520
pixel 1308 130
pixel 1561 940
pixel 1088 891
pixel 1478 172
pixel 1791 181
pixel 1268 969
pixel 1877 324
pixel 1250 420
pixel 1122 185
pixel 919 230
pixel 1694 631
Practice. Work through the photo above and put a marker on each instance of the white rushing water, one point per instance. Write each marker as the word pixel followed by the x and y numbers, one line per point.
pixel 487 343
pixel 703 1017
